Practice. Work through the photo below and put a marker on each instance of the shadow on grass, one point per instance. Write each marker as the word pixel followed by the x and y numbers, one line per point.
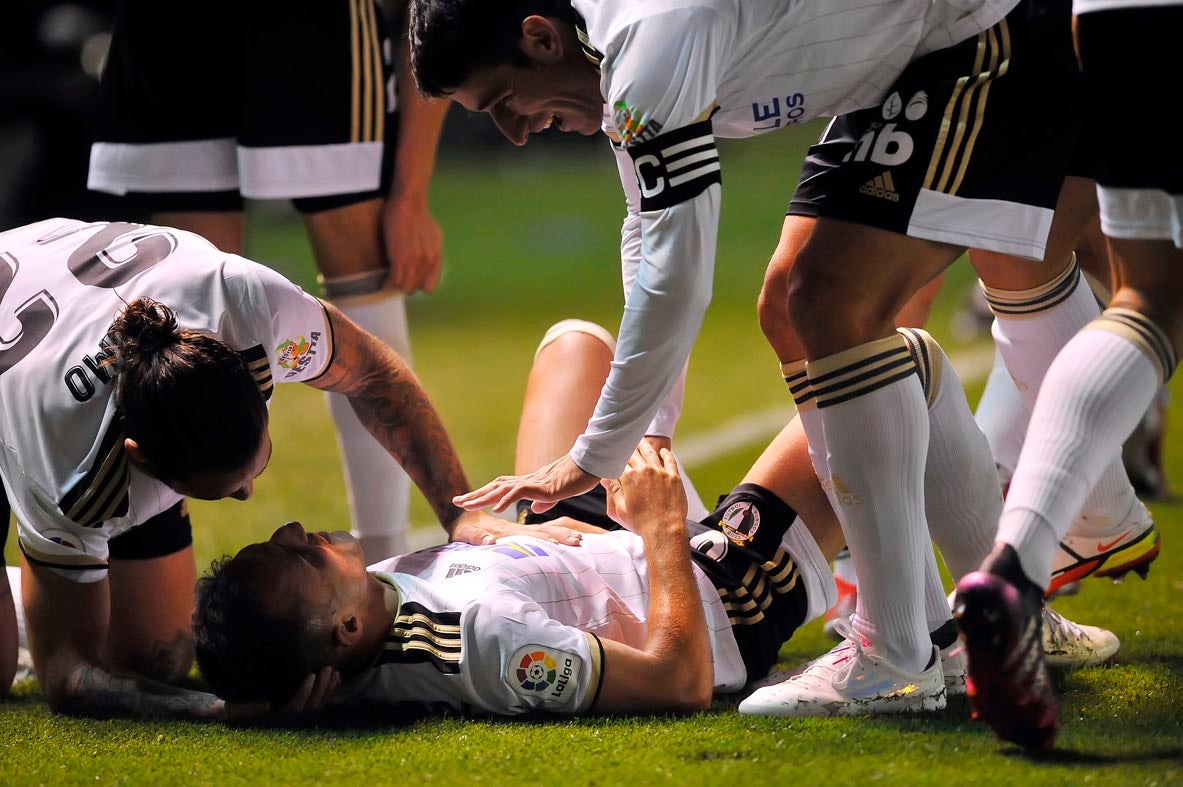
pixel 1074 757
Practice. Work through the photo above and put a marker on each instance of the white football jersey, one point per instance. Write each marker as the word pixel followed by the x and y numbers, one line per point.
pixel 62 283
pixel 515 627
pixel 677 73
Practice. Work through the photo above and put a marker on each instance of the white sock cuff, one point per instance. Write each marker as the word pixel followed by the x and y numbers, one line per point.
pixel 813 567
pixel 1017 304
pixel 1140 331
pixel 384 315
pixel 576 326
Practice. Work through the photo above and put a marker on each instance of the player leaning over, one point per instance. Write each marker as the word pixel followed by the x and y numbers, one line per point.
pixel 1100 383
pixel 105 426
pixel 959 144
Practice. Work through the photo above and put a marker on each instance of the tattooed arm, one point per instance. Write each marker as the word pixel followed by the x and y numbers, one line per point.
pixel 393 406
pixel 67 623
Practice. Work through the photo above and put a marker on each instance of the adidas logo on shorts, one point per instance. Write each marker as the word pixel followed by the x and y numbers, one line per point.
pixel 881 186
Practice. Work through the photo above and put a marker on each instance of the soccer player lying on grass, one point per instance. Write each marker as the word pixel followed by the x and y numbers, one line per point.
pixel 655 619
pixel 620 624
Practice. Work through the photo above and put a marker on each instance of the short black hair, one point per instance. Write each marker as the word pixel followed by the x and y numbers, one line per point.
pixel 245 652
pixel 451 38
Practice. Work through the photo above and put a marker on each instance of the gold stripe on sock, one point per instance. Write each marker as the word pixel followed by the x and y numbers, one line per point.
pixel 929 360
pixel 860 370
pixel 1136 328
pixel 1018 304
pixel 798 381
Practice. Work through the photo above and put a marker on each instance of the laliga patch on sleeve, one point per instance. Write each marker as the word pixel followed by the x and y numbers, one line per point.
pixel 546 673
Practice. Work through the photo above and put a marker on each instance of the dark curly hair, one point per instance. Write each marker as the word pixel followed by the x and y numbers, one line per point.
pixel 186 397
pixel 449 39
pixel 244 651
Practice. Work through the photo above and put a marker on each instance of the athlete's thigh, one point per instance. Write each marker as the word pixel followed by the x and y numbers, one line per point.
pixel 152 577
pixel 1076 208
pixel 851 280
pixel 570 366
pixel 347 240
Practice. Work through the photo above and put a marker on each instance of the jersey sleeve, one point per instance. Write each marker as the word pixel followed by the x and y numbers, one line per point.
pixel 520 660
pixel 670 410
pixel 662 75
pixel 275 319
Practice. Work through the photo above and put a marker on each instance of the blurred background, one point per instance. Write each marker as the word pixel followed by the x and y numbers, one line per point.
pixel 530 237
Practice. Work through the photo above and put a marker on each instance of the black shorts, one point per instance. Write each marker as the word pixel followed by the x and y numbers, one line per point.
pixel 1126 56
pixel 206 103
pixel 969 148
pixel 739 547
pixel 164 534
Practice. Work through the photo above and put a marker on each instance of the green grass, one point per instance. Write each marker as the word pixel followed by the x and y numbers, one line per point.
pixel 523 252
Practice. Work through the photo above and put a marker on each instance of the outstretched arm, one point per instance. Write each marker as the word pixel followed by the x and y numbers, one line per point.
pixel 674 670
pixel 393 406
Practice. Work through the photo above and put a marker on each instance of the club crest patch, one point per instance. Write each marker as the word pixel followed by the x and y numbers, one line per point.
pixel 539 671
pixel 741 521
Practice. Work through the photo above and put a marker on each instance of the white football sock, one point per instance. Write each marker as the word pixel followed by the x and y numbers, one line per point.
pixel 1030 328
pixel 14 583
pixel 1002 415
pixel 844 568
pixel 379 491
pixel 876 430
pixel 811 421
pixel 962 498
pixel 1093 397
pixel 936 600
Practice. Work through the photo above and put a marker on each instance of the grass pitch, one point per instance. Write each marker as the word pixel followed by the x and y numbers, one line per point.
pixel 531 238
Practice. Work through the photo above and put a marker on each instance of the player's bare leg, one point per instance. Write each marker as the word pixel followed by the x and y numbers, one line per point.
pixel 570 366
pixel 224 229
pixel 8 635
pixel 569 369
pixel 151 633
pixel 347 244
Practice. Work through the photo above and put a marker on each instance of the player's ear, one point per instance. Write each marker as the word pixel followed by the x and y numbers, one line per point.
pixel 134 452
pixel 541 42
pixel 347 631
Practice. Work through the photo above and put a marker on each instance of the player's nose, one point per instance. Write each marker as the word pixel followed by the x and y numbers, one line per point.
pixel 291 533
pixel 512 126
pixel 244 492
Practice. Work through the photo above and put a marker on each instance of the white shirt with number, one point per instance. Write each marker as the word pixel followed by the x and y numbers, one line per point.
pixel 62 283
pixel 677 73
pixel 515 627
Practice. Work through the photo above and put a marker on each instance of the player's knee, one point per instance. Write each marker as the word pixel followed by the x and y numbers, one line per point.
pixel 577 336
pixel 772 307
pixel 829 312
